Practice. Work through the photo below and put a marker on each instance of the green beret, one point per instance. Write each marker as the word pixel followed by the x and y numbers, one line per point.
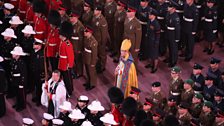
pixel 176 69
pixel 189 81
pixel 198 95
pixel 208 104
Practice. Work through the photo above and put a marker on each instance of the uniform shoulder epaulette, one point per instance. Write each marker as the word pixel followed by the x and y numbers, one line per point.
pixel 67 42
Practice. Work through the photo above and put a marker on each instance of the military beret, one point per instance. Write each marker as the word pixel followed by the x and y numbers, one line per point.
pixel 148 102
pixel 98 7
pixel 189 81
pixel 208 104
pixel 214 60
pixel 62 7
pixel 219 92
pixel 159 112
pixel 176 69
pixel 88 3
pixel 198 66
pixel 184 105
pixel 88 29
pixel 156 84
pixel 153 12
pixel 210 1
pixel 131 8
pixel 172 98
pixel 135 90
pixel 198 96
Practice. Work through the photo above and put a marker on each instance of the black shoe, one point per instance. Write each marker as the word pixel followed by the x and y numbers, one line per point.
pixel 19 109
pixel 210 52
pixel 148 66
pixel 154 70
pixel 89 88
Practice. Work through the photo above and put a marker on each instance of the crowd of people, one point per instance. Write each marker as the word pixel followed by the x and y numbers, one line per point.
pixel 40 38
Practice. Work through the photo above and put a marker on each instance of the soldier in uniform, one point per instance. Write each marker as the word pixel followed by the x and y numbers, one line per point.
pixel 214 70
pixel 218 100
pixel 22 7
pixel 171 107
pixel 183 115
pixel 88 13
pixel 221 83
pixel 196 106
pixel 118 30
pixel 77 42
pixel 133 31
pixel 37 64
pixel 189 28
pixel 76 117
pixel 209 89
pixel 66 55
pixel 95 113
pixel 6 46
pixel 110 8
pixel 82 105
pixel 63 12
pixel 173 33
pixel 148 107
pixel 142 16
pixel 207 116
pixel 47 119
pixel 219 119
pixel 188 93
pixel 19 78
pixel 53 40
pixel 40 21
pixel 153 36
pixel 2 89
pixel 158 116
pixel 65 109
pixel 162 7
pixel 100 27
pixel 29 13
pixel 157 95
pixel 90 58
pixel 8 13
pixel 176 83
pixel 135 93
pixel 54 4
pixel 210 26
pixel 198 77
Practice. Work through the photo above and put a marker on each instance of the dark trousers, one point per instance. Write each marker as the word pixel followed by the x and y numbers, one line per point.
pixel 38 87
pixel 102 57
pixel 20 97
pixel 173 48
pixel 2 105
pixel 53 62
pixel 91 75
pixel 189 44
pixel 78 68
pixel 6 66
pixel 67 77
pixel 162 44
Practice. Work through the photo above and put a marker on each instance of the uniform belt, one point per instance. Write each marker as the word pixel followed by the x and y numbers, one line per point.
pixel 75 38
pixel 208 20
pixel 6 58
pixel 197 92
pixel 16 75
pixel 174 93
pixel 161 30
pixel 179 11
pixel 160 18
pixel 198 6
pixel 52 44
pixel 20 86
pixel 64 57
pixel 40 32
pixel 170 28
pixel 87 50
pixel 188 19
pixel 23 12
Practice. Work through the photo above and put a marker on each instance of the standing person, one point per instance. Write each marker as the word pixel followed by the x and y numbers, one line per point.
pixel 198 77
pixel 209 88
pixel 210 26
pixel 133 32
pixel 90 58
pixel 157 95
pixel 153 35
pixel 196 106
pixel 100 27
pixel 108 120
pixel 215 70
pixel 8 13
pixel 66 55
pixel 207 116
pixel 47 119
pixel 125 72
pixel 17 25
pixel 2 89
pixel 22 7
pixel 37 68
pixel 173 33
pixel 82 106
pixel 53 40
pixel 88 13
pixel 219 119
pixel 189 28
pixel 77 42
pixel 55 91
pixel 183 115
pixel 188 93
pixel 65 109
pixel 29 13
pixel 118 31
pixel 19 78
pixel 76 117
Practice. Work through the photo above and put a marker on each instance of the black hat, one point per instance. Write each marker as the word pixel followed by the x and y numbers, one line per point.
pixel 184 105
pixel 131 8
pixel 173 4
pixel 135 90
pixel 139 116
pixel 195 122
pixel 121 3
pixel 98 7
pixel 144 0
pixel 172 99
pixel 62 7
pixel 156 84
pixel 210 76
pixel 214 60
pixel 210 1
pixel 115 95
pixel 75 13
pixel 171 120
pixel 147 122
pixel 198 66
pixel 129 106
pixel 159 112
pixel 39 6
pixel 88 3
pixel 88 29
pixel 149 102
pixel 219 92
pixel 66 29
pixel 153 12
pixel 54 18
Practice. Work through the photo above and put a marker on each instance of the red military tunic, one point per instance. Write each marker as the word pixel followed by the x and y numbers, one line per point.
pixel 66 55
pixel 22 9
pixel 127 122
pixel 53 42
pixel 118 116
pixel 55 4
pixel 29 15
pixel 15 3
pixel 40 27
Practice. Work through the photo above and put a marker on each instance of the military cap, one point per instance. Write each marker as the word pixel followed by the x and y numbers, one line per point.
pixel 184 105
pixel 195 122
pixel 129 106
pixel 156 84
pixel 222 73
pixel 88 3
pixel 198 66
pixel 148 102
pixel 159 112
pixel 173 4
pixel 98 7
pixel 145 0
pixel 189 81
pixel 88 29
pixel 83 98
pixel 75 13
pixel 210 76
pixel 219 92
pixel 198 96
pixel 115 95
pixel 214 60
pixel 135 90
pixel 220 114
pixel 172 98
pixel 131 8
pixel 121 3
pixel 176 69
pixel 153 12
pixel 210 1
pixel 197 88
pixel 62 7
pixel 208 104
